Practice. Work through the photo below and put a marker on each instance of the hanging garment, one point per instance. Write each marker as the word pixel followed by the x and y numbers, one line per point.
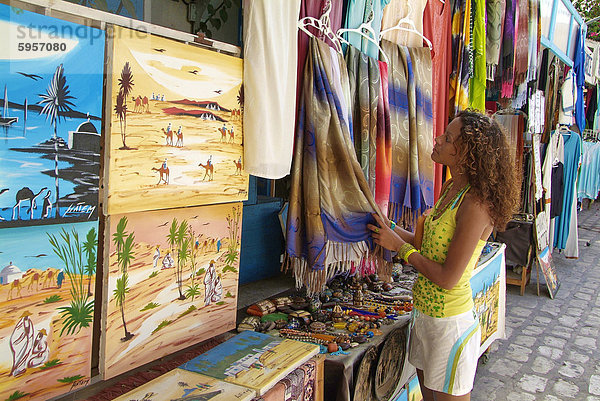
pixel 461 56
pixel 514 127
pixel 441 69
pixel 522 42
pixel 590 108
pixel 364 77
pixel 412 131
pixel 579 69
pixel 330 201
pixel 552 102
pixel 507 53
pixel 558 190
pixel 495 21
pixel 383 171
pixel 555 155
pixel 568 99
pixel 359 11
pixel 563 228
pixel 589 175
pixel 394 12
pixel 534 39
pixel 270 52
pixel 477 82
pixel 597 114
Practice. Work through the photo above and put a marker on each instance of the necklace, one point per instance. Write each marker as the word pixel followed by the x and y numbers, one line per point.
pixel 438 212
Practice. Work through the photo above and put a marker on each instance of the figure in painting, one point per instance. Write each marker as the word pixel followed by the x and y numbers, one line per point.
pixel 164 172
pixel 238 166
pixel 46 205
pixel 23 195
pixel 15 285
pixel 21 344
pixel 223 132
pixel 231 135
pixel 40 352
pixel 168 261
pixel 209 169
pixel 156 257
pixel 179 142
pixel 212 285
pixel 60 277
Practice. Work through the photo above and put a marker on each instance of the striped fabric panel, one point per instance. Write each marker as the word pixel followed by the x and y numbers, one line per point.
pixel 454 356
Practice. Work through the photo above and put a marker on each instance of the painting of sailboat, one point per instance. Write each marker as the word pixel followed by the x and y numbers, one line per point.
pixel 5 119
pixel 51 119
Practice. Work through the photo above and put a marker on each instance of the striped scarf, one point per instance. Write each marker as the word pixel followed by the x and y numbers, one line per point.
pixel 330 201
pixel 495 20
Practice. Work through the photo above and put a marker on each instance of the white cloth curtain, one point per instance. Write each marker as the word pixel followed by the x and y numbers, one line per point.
pixel 270 58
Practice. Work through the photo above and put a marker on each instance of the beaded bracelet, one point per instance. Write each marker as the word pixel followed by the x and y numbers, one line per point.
pixel 392 225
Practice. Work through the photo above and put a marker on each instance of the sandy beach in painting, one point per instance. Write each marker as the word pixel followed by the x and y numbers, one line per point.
pixel 70 350
pixel 184 86
pixel 161 322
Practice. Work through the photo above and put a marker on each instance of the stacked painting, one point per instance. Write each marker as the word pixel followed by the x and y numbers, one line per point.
pixel 174 180
pixel 51 74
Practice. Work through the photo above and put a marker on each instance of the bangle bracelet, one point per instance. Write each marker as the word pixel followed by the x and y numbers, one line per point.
pixel 410 252
pixel 392 224
pixel 404 249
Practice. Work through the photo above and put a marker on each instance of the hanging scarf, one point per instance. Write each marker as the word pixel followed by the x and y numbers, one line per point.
pixel 412 131
pixel 384 144
pixel 507 53
pixel 364 77
pixel 477 82
pixel 522 42
pixel 495 20
pixel 330 201
pixel 534 39
pixel 461 56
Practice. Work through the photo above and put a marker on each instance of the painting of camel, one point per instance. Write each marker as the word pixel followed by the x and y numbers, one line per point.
pixel 175 125
pixel 46 309
pixel 51 85
pixel 171 282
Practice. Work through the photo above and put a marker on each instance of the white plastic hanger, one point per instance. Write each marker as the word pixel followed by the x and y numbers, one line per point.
pixel 411 28
pixel 323 25
pixel 369 30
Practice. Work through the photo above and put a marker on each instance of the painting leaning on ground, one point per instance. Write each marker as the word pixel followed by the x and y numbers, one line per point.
pixel 51 74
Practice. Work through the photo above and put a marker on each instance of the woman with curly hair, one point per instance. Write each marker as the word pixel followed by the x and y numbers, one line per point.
pixel 482 195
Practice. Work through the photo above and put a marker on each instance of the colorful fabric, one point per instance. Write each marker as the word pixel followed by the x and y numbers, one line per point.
pixel 507 53
pixel 461 56
pixel 364 77
pixel 297 386
pixel 410 100
pixel 522 42
pixel 579 69
pixel 359 11
pixel 477 83
pixel 330 200
pixel 534 38
pixel 270 51
pixel 495 22
pixel 383 171
pixel 428 297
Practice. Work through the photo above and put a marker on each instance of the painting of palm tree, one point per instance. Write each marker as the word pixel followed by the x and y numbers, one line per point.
pixel 183 252
pixel 125 88
pixel 193 289
pixel 121 111
pixel 124 243
pixel 56 101
pixel 89 246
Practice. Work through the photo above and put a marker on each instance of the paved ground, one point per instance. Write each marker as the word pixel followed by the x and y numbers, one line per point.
pixel 551 350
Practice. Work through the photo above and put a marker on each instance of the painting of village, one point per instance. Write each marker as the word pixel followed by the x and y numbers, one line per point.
pixel 486 296
pixel 46 309
pixel 181 385
pixel 51 74
pixel 172 278
pixel 176 126
pixel 253 360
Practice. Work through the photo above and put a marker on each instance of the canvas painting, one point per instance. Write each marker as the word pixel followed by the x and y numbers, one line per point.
pixel 51 80
pixel 172 278
pixel 181 385
pixel 176 125
pixel 46 309
pixel 253 360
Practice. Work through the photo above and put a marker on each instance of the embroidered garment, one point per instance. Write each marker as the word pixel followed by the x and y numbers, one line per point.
pixel 495 22
pixel 410 101
pixel 330 200
pixel 461 56
pixel 270 53
pixel 477 82
pixel 364 77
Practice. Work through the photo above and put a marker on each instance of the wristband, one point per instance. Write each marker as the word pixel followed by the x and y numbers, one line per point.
pixel 410 252
pixel 392 224
pixel 404 249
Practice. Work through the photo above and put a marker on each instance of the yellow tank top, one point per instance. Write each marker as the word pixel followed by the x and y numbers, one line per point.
pixel 428 297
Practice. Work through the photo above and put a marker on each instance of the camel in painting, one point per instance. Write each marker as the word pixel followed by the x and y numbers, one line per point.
pixel 231 136
pixel 164 174
pixel 238 167
pixel 209 170
pixel 168 136
pixel 179 142
pixel 32 277
pixel 23 195
pixel 47 277
pixel 223 132
pixel 15 285
pixel 138 104
pixel 145 104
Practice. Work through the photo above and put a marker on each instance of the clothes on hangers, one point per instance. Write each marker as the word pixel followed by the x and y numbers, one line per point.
pixel 462 66
pixel 495 20
pixel 359 11
pixel 398 9
pixel 552 182
pixel 521 42
pixel 579 69
pixel 588 184
pixel 383 171
pixel 477 82
pixel 568 99
pixel 270 52
pixel 507 53
pixel 534 38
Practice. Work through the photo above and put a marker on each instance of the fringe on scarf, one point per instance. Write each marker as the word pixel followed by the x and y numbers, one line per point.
pixel 404 216
pixel 340 258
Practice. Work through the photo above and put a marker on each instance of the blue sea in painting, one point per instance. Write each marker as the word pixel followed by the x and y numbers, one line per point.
pixel 26 147
pixel 28 247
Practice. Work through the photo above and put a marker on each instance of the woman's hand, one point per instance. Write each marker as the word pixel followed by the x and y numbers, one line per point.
pixel 384 236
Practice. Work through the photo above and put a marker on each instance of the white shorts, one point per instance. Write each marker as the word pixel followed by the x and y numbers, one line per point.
pixel 446 350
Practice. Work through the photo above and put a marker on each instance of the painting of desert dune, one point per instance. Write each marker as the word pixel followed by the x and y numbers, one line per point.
pixel 47 276
pixel 176 126
pixel 172 278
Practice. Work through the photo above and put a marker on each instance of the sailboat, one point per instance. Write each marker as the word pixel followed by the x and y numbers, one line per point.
pixel 5 120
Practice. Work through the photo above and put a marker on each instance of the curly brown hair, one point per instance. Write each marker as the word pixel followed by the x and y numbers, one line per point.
pixel 489 166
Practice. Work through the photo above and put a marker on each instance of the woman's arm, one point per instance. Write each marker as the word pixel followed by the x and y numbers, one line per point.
pixel 472 221
pixel 406 235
